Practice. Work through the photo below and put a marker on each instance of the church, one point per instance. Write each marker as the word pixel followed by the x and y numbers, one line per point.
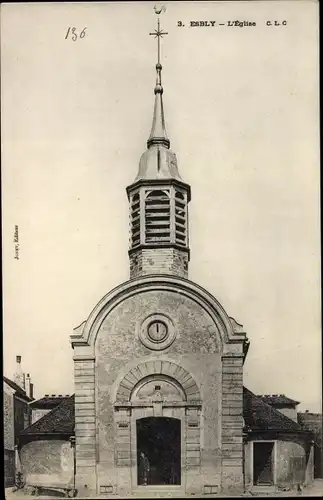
pixel 158 364
pixel 159 406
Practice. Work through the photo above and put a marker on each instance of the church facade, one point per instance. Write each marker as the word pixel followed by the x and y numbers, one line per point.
pixel 158 370
pixel 159 362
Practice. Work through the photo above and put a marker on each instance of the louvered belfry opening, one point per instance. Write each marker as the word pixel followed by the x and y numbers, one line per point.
pixel 180 218
pixel 135 220
pixel 157 217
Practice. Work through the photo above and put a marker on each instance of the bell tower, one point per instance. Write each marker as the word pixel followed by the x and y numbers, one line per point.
pixel 158 198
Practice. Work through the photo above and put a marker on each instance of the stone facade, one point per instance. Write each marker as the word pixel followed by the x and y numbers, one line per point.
pixel 203 361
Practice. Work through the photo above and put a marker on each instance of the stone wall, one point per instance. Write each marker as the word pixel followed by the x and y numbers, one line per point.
pixel 8 422
pixel 292 460
pixel 9 438
pixel 47 462
pixel 37 414
pixel 158 261
pixel 22 416
pixel 9 468
pixel 313 422
pixel 288 412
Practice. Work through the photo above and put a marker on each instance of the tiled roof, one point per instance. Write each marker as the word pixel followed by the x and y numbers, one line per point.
pixel 259 415
pixel 19 390
pixel 48 402
pixel 60 420
pixel 278 400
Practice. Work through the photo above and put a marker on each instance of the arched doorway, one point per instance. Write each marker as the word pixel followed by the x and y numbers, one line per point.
pixel 159 451
pixel 158 434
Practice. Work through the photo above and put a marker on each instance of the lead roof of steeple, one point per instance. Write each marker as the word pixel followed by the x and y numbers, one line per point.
pixel 158 161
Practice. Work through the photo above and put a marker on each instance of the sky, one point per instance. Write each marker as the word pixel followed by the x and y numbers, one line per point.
pixel 241 106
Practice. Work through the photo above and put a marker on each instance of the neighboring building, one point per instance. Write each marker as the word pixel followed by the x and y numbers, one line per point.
pixel 278 452
pixel 280 402
pixel 313 422
pixel 46 452
pixel 44 405
pixel 17 394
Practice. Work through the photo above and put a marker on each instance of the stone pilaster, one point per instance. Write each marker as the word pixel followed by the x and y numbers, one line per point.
pixel 232 424
pixel 193 450
pixel 122 450
pixel 193 438
pixel 122 438
pixel 85 429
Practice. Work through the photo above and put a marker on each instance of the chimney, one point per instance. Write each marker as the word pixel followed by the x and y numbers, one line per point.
pixel 28 386
pixel 19 376
pixel 31 391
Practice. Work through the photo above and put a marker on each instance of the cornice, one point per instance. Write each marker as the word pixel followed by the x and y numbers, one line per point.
pixel 160 182
pixel 85 334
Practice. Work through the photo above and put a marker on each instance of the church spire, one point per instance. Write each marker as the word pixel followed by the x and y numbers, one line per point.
pixel 158 133
pixel 158 199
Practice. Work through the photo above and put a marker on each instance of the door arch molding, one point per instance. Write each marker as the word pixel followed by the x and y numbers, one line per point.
pixel 149 368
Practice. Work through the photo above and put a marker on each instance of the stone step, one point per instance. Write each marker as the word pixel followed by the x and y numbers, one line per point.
pixel 158 491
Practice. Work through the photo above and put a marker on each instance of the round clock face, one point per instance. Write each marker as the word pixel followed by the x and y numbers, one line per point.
pixel 157 331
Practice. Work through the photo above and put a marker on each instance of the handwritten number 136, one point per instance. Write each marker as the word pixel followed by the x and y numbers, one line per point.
pixel 72 32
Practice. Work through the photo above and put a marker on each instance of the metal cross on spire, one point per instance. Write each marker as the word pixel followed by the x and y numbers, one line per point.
pixel 158 33
pixel 158 134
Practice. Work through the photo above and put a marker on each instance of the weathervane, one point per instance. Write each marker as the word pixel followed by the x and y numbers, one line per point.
pixel 158 33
